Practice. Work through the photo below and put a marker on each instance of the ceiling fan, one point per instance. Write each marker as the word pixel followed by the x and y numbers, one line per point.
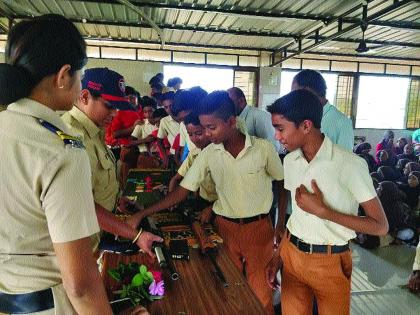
pixel 362 47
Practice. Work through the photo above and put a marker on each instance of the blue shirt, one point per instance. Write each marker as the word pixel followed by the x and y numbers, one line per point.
pixel 258 124
pixel 416 136
pixel 337 127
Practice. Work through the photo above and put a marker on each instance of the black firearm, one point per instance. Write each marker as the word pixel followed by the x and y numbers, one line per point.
pixel 162 253
pixel 207 248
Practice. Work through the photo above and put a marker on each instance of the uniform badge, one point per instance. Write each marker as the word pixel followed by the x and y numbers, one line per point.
pixel 75 142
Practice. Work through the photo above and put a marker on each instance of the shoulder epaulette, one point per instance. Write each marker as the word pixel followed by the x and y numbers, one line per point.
pixel 75 142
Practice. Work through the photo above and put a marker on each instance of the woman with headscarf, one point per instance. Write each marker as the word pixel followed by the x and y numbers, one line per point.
pixel 408 153
pixel 401 163
pixel 406 183
pixel 386 144
pixel 397 212
pixel 399 148
pixel 363 150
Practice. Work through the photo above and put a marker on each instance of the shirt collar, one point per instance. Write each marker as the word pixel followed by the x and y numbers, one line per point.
pixel 85 121
pixel 249 142
pixel 35 109
pixel 324 152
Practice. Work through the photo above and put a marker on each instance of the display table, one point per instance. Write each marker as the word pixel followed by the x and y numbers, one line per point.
pixel 198 291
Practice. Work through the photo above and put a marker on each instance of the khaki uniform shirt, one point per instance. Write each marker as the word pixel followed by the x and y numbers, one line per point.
pixel 169 128
pixel 102 162
pixel 243 184
pixel 207 188
pixel 184 138
pixel 344 180
pixel 45 198
pixel 142 131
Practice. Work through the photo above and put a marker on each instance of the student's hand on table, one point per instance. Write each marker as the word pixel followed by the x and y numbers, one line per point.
pixel 206 214
pixel 271 271
pixel 138 310
pixel 146 241
pixel 311 202
pixel 414 282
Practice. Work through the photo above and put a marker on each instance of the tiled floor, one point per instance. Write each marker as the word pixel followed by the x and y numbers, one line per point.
pixel 379 279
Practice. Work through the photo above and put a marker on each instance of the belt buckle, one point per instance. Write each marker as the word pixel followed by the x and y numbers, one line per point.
pixel 310 246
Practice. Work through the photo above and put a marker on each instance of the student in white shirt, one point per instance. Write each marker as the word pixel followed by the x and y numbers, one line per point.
pixel 327 184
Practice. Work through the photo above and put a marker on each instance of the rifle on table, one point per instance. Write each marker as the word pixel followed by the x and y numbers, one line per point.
pixel 207 247
pixel 162 253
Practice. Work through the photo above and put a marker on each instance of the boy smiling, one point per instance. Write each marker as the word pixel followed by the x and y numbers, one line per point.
pixel 327 184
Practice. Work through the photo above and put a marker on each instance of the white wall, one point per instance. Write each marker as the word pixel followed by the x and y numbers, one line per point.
pixel 269 86
pixel 136 73
pixel 374 136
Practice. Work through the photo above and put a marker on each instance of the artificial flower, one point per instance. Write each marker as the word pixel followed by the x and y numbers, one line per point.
pixel 157 288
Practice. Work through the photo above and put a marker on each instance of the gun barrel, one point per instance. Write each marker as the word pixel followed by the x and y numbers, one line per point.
pixel 219 272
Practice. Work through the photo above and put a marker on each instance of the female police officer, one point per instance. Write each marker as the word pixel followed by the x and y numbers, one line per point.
pixel 46 205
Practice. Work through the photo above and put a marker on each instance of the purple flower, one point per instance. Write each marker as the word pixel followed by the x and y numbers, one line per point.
pixel 157 288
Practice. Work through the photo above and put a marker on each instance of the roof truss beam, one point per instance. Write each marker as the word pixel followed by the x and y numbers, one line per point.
pixel 286 51
pixel 267 15
pixel 315 37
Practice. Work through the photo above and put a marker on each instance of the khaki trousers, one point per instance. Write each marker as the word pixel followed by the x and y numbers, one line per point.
pixel 305 276
pixel 250 246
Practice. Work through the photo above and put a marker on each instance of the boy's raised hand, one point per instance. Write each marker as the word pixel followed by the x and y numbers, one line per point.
pixel 311 202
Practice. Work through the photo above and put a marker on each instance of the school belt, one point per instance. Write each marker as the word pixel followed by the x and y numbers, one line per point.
pixel 37 301
pixel 312 249
pixel 245 220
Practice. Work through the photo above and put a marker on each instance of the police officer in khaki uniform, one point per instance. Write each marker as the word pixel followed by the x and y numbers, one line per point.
pixel 103 92
pixel 46 204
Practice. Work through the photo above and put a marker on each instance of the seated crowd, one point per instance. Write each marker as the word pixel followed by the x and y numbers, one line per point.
pixel 395 171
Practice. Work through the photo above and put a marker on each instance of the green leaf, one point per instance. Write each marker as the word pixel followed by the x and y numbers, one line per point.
pixel 114 274
pixel 137 280
pixel 124 293
pixel 148 276
pixel 156 297
pixel 143 269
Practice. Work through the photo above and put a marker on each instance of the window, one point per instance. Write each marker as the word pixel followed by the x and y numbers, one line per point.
pixel 246 81
pixel 413 105
pixel 210 79
pixel 382 102
pixel 287 79
pixel 344 96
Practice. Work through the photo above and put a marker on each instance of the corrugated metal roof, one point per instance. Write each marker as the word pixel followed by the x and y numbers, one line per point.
pixel 272 24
